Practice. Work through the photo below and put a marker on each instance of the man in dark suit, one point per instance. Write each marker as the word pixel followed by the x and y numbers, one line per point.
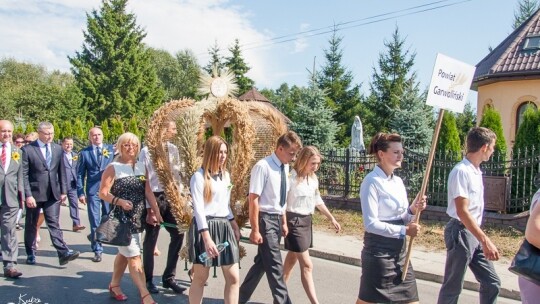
pixel 92 162
pixel 44 187
pixel 11 185
pixel 70 160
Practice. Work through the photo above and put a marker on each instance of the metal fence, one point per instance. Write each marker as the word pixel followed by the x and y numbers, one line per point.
pixel 343 170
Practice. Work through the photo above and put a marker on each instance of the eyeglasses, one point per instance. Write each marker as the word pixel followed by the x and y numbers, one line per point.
pixel 129 145
pixel 46 133
pixel 20 141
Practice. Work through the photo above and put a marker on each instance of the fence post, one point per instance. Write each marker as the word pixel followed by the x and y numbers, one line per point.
pixel 347 172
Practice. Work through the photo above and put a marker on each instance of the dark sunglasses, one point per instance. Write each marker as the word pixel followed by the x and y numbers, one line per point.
pixel 20 141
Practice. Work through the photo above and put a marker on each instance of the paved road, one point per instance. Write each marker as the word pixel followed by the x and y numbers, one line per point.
pixel 83 281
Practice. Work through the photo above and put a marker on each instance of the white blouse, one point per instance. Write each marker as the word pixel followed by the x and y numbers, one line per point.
pixel 219 206
pixel 303 194
pixel 384 198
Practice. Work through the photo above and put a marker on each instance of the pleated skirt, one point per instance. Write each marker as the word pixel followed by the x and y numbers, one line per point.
pixel 220 230
pixel 382 265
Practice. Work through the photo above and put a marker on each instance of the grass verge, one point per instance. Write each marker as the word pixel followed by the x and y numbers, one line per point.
pixel 507 239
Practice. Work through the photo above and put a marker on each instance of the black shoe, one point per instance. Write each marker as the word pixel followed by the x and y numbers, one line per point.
pixel 171 283
pixel 97 257
pixel 70 256
pixel 89 237
pixel 152 288
pixel 31 259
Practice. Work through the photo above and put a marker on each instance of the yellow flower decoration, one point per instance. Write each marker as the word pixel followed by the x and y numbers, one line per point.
pixel 15 156
pixel 75 157
pixel 105 153
pixel 142 178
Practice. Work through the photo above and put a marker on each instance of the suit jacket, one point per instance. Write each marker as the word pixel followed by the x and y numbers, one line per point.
pixel 39 181
pixel 71 170
pixel 11 179
pixel 89 171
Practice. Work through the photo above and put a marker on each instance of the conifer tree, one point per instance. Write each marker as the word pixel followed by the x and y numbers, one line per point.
pixel 216 59
pixel 491 119
pixel 465 121
pixel 394 85
pixel 58 134
pixel 68 128
pixel 117 128
pixel 528 135
pixel 449 143
pixel 78 129
pixel 526 8
pixel 236 64
pixel 30 128
pixel 313 119
pixel 106 131
pixel 113 69
pixel 343 97
pixel 133 127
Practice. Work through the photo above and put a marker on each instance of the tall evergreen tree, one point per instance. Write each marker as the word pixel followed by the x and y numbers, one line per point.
pixel 284 98
pixel 313 119
pixel 465 121
pixel 216 59
pixel 190 72
pixel 113 70
pixel 491 119
pixel 528 134
pixel 236 64
pixel 106 131
pixel 449 141
pixel 337 82
pixel 526 8
pixel 393 88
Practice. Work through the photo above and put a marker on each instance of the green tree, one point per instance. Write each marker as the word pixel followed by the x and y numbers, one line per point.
pixel 449 143
pixel 465 121
pixel 113 70
pixel 216 59
pixel 236 64
pixel 313 119
pixel 394 85
pixel 528 134
pixel 284 98
pixel 89 125
pixel 106 131
pixel 58 134
pixel 526 8
pixel 133 126
pixel 67 128
pixel 117 128
pixel 491 119
pixel 190 72
pixel 343 97
pixel 78 129
pixel 30 128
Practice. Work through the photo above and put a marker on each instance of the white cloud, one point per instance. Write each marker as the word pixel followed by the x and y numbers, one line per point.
pixel 46 32
pixel 301 43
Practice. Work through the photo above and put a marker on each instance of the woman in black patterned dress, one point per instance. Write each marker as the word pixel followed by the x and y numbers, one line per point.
pixel 124 184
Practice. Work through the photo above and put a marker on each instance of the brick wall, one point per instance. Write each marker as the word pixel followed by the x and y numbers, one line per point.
pixel 435 213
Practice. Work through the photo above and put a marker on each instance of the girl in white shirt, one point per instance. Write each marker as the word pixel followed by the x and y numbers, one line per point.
pixel 302 198
pixel 387 220
pixel 214 223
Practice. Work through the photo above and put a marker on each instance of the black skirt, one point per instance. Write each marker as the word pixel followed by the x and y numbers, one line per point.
pixel 382 263
pixel 220 230
pixel 299 237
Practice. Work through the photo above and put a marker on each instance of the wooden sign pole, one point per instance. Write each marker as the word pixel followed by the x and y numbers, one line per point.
pixel 423 187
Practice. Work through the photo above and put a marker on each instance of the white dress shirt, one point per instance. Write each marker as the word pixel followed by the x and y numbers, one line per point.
pixel 219 206
pixel 8 155
pixel 174 162
pixel 266 183
pixel 384 198
pixel 303 194
pixel 465 180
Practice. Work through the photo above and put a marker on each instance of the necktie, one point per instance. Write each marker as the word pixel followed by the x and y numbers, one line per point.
pixel 48 157
pixel 3 155
pixel 98 153
pixel 283 188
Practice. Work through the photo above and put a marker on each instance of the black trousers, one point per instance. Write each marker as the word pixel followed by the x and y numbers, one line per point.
pixel 51 211
pixel 150 241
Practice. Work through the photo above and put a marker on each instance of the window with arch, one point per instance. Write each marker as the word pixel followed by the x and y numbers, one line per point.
pixel 521 110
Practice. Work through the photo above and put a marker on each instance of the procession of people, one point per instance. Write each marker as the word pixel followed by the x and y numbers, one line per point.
pixel 43 175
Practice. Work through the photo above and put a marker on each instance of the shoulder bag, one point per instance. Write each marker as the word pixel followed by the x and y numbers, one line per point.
pixel 526 263
pixel 114 231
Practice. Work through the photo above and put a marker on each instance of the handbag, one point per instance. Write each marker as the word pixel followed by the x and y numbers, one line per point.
pixel 114 231
pixel 526 263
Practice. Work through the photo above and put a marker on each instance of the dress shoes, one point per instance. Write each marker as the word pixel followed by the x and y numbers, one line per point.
pixel 171 283
pixel 152 288
pixel 31 259
pixel 69 256
pixel 77 228
pixel 97 257
pixel 12 273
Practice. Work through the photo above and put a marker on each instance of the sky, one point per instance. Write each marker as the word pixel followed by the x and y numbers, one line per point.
pixel 281 40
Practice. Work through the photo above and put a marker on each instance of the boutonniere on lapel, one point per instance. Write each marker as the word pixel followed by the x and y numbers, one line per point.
pixel 142 178
pixel 15 156
pixel 75 157
pixel 105 153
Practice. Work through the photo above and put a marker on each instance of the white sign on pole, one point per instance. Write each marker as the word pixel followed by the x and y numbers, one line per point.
pixel 450 84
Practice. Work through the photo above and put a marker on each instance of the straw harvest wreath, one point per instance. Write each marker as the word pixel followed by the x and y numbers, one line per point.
pixel 193 119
